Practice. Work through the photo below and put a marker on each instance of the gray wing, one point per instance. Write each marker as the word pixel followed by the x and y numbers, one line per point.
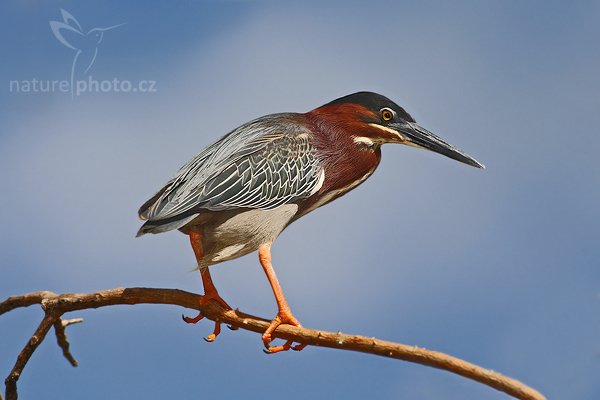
pixel 284 171
pixel 263 164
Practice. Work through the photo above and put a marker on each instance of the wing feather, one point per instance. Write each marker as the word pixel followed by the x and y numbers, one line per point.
pixel 263 164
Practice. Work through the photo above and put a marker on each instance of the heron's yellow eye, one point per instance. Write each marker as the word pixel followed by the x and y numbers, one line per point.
pixel 387 114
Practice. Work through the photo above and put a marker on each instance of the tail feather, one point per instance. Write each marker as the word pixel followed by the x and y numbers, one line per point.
pixel 144 211
pixel 164 226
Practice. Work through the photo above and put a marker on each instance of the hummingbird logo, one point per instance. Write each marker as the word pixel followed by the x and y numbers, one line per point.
pixel 70 33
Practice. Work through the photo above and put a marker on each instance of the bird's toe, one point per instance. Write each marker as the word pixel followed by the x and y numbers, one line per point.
pixel 267 337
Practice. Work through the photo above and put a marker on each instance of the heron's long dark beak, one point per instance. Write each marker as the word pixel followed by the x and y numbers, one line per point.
pixel 416 136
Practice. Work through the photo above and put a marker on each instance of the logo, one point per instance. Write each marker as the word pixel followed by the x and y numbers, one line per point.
pixel 86 46
pixel 71 34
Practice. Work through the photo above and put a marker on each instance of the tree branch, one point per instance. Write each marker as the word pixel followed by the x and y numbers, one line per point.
pixel 56 305
pixel 25 354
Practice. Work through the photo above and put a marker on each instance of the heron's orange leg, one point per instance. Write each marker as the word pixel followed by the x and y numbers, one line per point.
pixel 210 292
pixel 284 315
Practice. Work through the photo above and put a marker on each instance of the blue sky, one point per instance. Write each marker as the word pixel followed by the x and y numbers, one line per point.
pixel 498 267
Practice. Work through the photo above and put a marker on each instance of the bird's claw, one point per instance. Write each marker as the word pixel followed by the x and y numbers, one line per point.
pixel 281 318
pixel 284 347
pixel 299 347
pixel 190 320
pixel 210 338
pixel 203 300
pixel 276 349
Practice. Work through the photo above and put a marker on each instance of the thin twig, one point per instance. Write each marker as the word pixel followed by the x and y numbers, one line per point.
pixel 59 304
pixel 61 337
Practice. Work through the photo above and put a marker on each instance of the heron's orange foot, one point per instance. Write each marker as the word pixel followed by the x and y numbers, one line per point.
pixel 203 300
pixel 282 317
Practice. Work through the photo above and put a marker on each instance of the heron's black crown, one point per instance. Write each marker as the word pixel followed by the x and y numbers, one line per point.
pixel 374 102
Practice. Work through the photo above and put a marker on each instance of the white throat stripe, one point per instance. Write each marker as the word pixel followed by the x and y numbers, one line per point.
pixel 389 130
pixel 363 140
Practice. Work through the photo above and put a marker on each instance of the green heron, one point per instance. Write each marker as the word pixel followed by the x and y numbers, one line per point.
pixel 241 192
